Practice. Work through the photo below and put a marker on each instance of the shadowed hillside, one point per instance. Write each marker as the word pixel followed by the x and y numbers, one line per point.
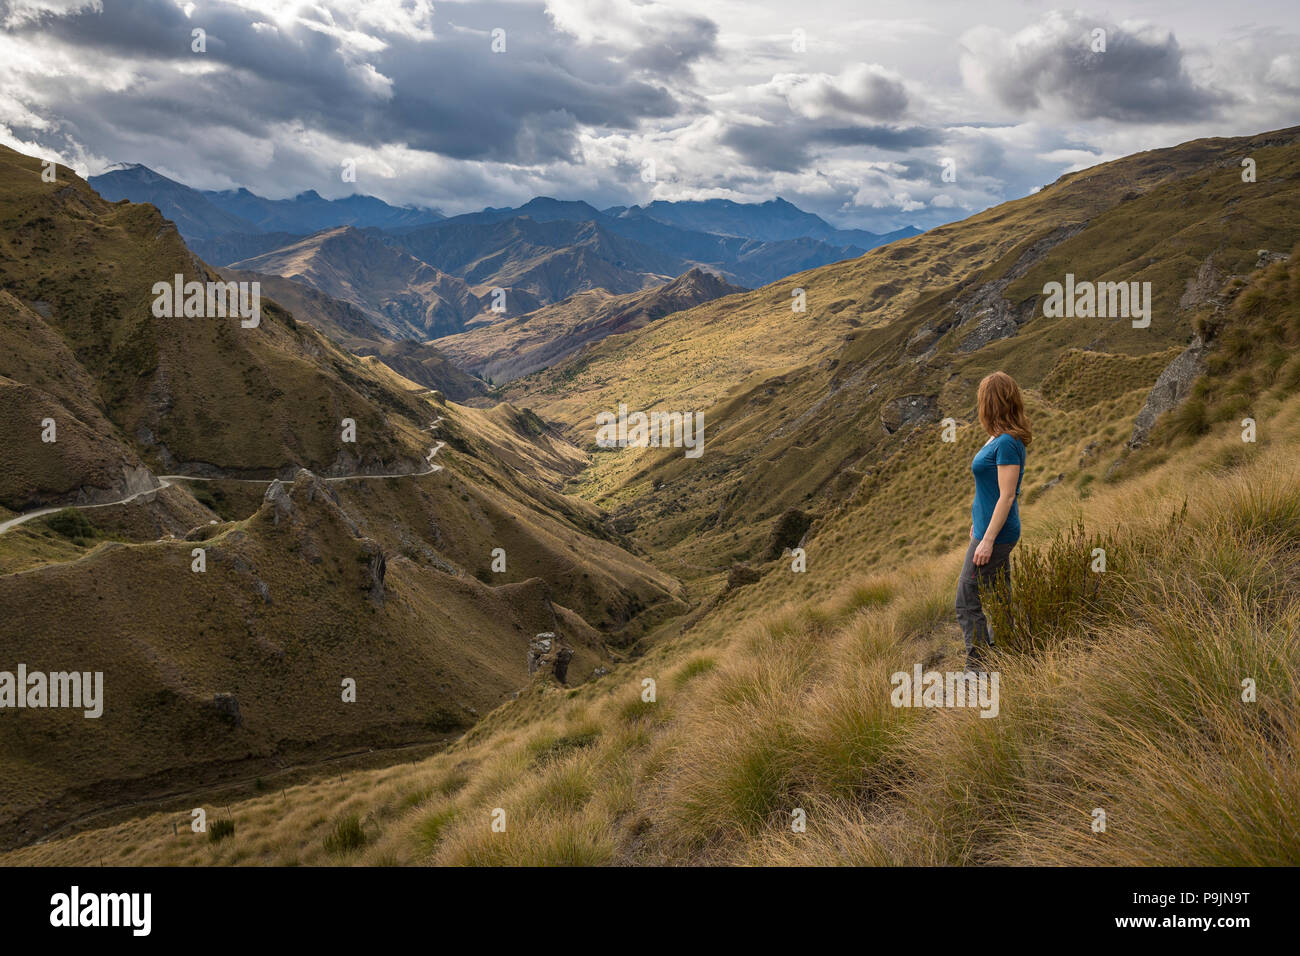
pixel 225 609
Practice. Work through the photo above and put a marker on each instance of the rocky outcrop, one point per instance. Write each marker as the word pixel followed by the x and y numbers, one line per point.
pixel 1170 389
pixel 1201 288
pixel 789 531
pixel 741 575
pixel 277 496
pixel 560 667
pixel 988 314
pixel 376 566
pixel 906 410
pixel 538 648
pixel 549 656
pixel 227 708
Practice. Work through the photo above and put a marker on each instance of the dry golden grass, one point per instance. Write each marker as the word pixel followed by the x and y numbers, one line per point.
pixel 1141 717
pixel 777 699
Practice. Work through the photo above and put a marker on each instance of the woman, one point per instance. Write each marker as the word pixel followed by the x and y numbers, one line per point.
pixel 995 514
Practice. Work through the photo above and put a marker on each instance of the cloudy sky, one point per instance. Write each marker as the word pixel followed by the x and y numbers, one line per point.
pixel 848 108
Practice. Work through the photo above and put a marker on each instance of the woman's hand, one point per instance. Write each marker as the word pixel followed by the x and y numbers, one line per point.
pixel 983 551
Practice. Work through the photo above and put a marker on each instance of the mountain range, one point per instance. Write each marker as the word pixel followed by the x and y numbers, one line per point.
pixel 536 254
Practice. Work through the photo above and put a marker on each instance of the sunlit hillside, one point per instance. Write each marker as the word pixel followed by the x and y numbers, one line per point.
pixel 745 716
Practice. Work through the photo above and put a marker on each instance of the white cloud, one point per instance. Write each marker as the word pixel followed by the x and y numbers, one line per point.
pixel 26 11
pixel 712 91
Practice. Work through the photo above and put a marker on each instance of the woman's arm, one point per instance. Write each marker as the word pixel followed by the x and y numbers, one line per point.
pixel 1008 475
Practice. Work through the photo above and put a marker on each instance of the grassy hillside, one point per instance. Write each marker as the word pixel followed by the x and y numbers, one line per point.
pixel 802 410
pixel 506 350
pixel 371 561
pixel 1121 690
pixel 353 329
pixel 1129 701
pixel 188 393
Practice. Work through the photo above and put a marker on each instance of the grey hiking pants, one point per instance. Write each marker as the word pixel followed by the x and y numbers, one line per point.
pixel 970 614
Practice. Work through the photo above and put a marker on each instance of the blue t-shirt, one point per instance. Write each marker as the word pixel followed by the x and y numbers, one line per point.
pixel 1005 449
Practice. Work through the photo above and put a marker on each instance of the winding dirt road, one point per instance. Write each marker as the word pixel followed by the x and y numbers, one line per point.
pixel 166 481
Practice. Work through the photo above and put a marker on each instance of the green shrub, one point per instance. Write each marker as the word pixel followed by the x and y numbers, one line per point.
pixel 71 523
pixel 694 668
pixel 554 749
pixel 1055 592
pixel 433 826
pixel 346 836
pixel 221 829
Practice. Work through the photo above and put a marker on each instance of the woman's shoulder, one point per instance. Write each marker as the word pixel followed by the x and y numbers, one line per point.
pixel 1006 438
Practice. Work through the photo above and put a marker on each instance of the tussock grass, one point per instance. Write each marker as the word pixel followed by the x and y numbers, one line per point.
pixel 1129 701
pixel 346 836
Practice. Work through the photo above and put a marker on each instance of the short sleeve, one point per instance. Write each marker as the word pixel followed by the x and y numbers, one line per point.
pixel 1007 453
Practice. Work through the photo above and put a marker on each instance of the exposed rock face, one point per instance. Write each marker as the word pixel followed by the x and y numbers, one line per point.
pixel 993 317
pixel 561 666
pixel 277 495
pixel 546 654
pixel 376 568
pixel 789 531
pixel 538 648
pixel 908 410
pixel 227 708
pixel 1169 390
pixel 1203 287
pixel 137 479
pixel 286 500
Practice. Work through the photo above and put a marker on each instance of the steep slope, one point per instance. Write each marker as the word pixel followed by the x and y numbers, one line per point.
pixel 195 215
pixel 44 390
pixel 347 325
pixel 184 392
pixel 538 262
pixel 507 350
pixel 374 560
pixel 819 410
pixel 404 297
pixel 237 246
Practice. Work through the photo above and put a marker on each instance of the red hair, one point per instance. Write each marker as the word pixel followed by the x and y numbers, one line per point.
pixel 1002 408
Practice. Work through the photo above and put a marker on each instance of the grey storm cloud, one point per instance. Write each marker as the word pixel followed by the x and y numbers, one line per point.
pixel 1139 77
pixel 863 92
pixel 450 95
pixel 789 146
pixel 672 49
